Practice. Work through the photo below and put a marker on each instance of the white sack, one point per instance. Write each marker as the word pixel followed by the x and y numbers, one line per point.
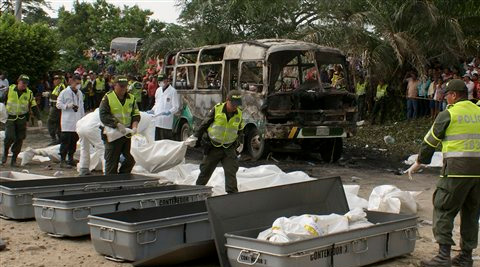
pixel 353 200
pixel 157 156
pixel 247 178
pixel 3 113
pixel 388 198
pixel 437 160
pixel 29 155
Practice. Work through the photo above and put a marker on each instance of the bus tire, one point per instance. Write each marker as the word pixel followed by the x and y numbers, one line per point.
pixel 331 150
pixel 184 131
pixel 254 144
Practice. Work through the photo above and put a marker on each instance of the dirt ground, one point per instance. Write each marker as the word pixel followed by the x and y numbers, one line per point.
pixel 28 246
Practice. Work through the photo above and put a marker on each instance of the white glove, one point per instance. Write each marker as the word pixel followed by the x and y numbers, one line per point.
pixel 191 141
pixel 70 105
pixel 40 123
pixel 413 169
pixel 240 148
pixel 121 128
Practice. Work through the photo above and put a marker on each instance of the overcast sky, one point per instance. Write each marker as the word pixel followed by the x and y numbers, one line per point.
pixel 163 10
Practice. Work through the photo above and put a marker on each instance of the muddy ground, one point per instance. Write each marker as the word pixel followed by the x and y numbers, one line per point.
pixel 28 246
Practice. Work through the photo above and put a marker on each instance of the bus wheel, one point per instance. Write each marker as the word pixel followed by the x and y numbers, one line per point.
pixel 331 149
pixel 184 131
pixel 254 144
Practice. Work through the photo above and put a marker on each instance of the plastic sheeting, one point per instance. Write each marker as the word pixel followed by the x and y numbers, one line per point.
pixel 247 178
pixel 307 226
pixel 388 198
pixel 437 160
pixel 354 201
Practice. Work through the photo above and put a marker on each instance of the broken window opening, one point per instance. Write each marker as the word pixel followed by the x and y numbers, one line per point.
pixel 209 77
pixel 189 57
pixel 212 55
pixel 185 77
pixel 251 77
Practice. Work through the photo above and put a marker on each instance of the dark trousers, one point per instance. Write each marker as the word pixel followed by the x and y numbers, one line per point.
pixel 454 195
pixel 113 150
pixel 98 98
pixel 228 158
pixel 161 133
pixel 53 123
pixel 151 102
pixel 361 107
pixel 68 145
pixel 15 133
pixel 379 110
pixel 90 102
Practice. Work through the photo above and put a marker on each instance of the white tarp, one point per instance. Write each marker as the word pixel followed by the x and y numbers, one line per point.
pixel 307 226
pixel 437 160
pixel 3 113
pixel 354 201
pixel 388 198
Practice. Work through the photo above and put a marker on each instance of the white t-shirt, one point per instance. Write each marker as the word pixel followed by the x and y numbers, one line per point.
pixel 470 86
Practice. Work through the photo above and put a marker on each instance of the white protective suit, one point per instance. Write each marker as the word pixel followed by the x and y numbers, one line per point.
pixel 69 117
pixel 165 101
pixel 90 136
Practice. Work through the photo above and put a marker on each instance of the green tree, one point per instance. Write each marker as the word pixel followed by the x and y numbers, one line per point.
pixel 28 49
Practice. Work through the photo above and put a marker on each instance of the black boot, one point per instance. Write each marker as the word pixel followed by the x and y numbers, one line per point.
pixel 464 259
pixel 13 163
pixel 441 260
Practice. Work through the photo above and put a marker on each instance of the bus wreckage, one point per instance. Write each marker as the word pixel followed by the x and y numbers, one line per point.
pixel 290 101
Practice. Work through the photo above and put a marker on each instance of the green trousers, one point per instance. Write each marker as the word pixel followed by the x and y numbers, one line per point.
pixel 113 150
pixel 228 158
pixel 454 195
pixel 15 133
pixel 53 123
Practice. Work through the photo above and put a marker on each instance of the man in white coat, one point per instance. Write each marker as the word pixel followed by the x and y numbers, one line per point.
pixel 70 101
pixel 166 105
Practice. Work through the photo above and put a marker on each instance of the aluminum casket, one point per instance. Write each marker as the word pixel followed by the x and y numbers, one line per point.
pixel 237 219
pixel 141 234
pixel 67 215
pixel 16 196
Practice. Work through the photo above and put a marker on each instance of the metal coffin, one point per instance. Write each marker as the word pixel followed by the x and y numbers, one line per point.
pixel 137 235
pixel 16 197
pixel 238 219
pixel 67 215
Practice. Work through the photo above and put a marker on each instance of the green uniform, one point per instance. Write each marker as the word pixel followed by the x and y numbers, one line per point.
pixel 112 111
pixel 380 103
pixel 18 105
pixel 135 89
pixel 225 131
pixel 53 122
pixel 360 91
pixel 458 189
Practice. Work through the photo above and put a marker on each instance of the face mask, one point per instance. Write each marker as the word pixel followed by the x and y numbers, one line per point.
pixel 78 86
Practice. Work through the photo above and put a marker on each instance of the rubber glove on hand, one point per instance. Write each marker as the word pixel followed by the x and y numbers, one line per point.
pixel 240 148
pixel 121 128
pixel 40 123
pixel 413 169
pixel 191 141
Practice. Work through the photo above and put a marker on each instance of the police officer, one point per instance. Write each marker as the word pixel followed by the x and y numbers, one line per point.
pixel 224 127
pixel 100 89
pixel 135 88
pixel 19 102
pixel 458 189
pixel 53 122
pixel 119 110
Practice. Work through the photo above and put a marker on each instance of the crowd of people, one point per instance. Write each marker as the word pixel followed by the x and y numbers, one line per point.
pixel 425 95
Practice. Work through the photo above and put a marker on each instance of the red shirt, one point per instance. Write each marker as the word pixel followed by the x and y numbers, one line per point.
pixel 151 89
pixel 476 90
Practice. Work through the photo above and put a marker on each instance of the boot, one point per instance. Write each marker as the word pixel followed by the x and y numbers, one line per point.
pixel 464 259
pixel 84 172
pixel 13 163
pixel 64 165
pixel 442 259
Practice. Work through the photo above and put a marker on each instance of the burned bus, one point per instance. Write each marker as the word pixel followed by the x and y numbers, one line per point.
pixel 290 100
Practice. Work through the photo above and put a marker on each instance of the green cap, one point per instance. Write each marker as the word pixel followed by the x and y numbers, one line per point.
pixel 456 85
pixel 121 80
pixel 24 78
pixel 235 96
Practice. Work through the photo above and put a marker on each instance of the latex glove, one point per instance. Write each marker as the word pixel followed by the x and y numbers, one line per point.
pixel 240 148
pixel 191 141
pixel 40 123
pixel 413 169
pixel 70 105
pixel 150 112
pixel 166 113
pixel 121 128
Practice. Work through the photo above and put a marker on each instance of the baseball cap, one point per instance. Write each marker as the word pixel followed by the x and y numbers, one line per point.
pixel 24 78
pixel 235 97
pixel 456 85
pixel 77 77
pixel 56 77
pixel 121 80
